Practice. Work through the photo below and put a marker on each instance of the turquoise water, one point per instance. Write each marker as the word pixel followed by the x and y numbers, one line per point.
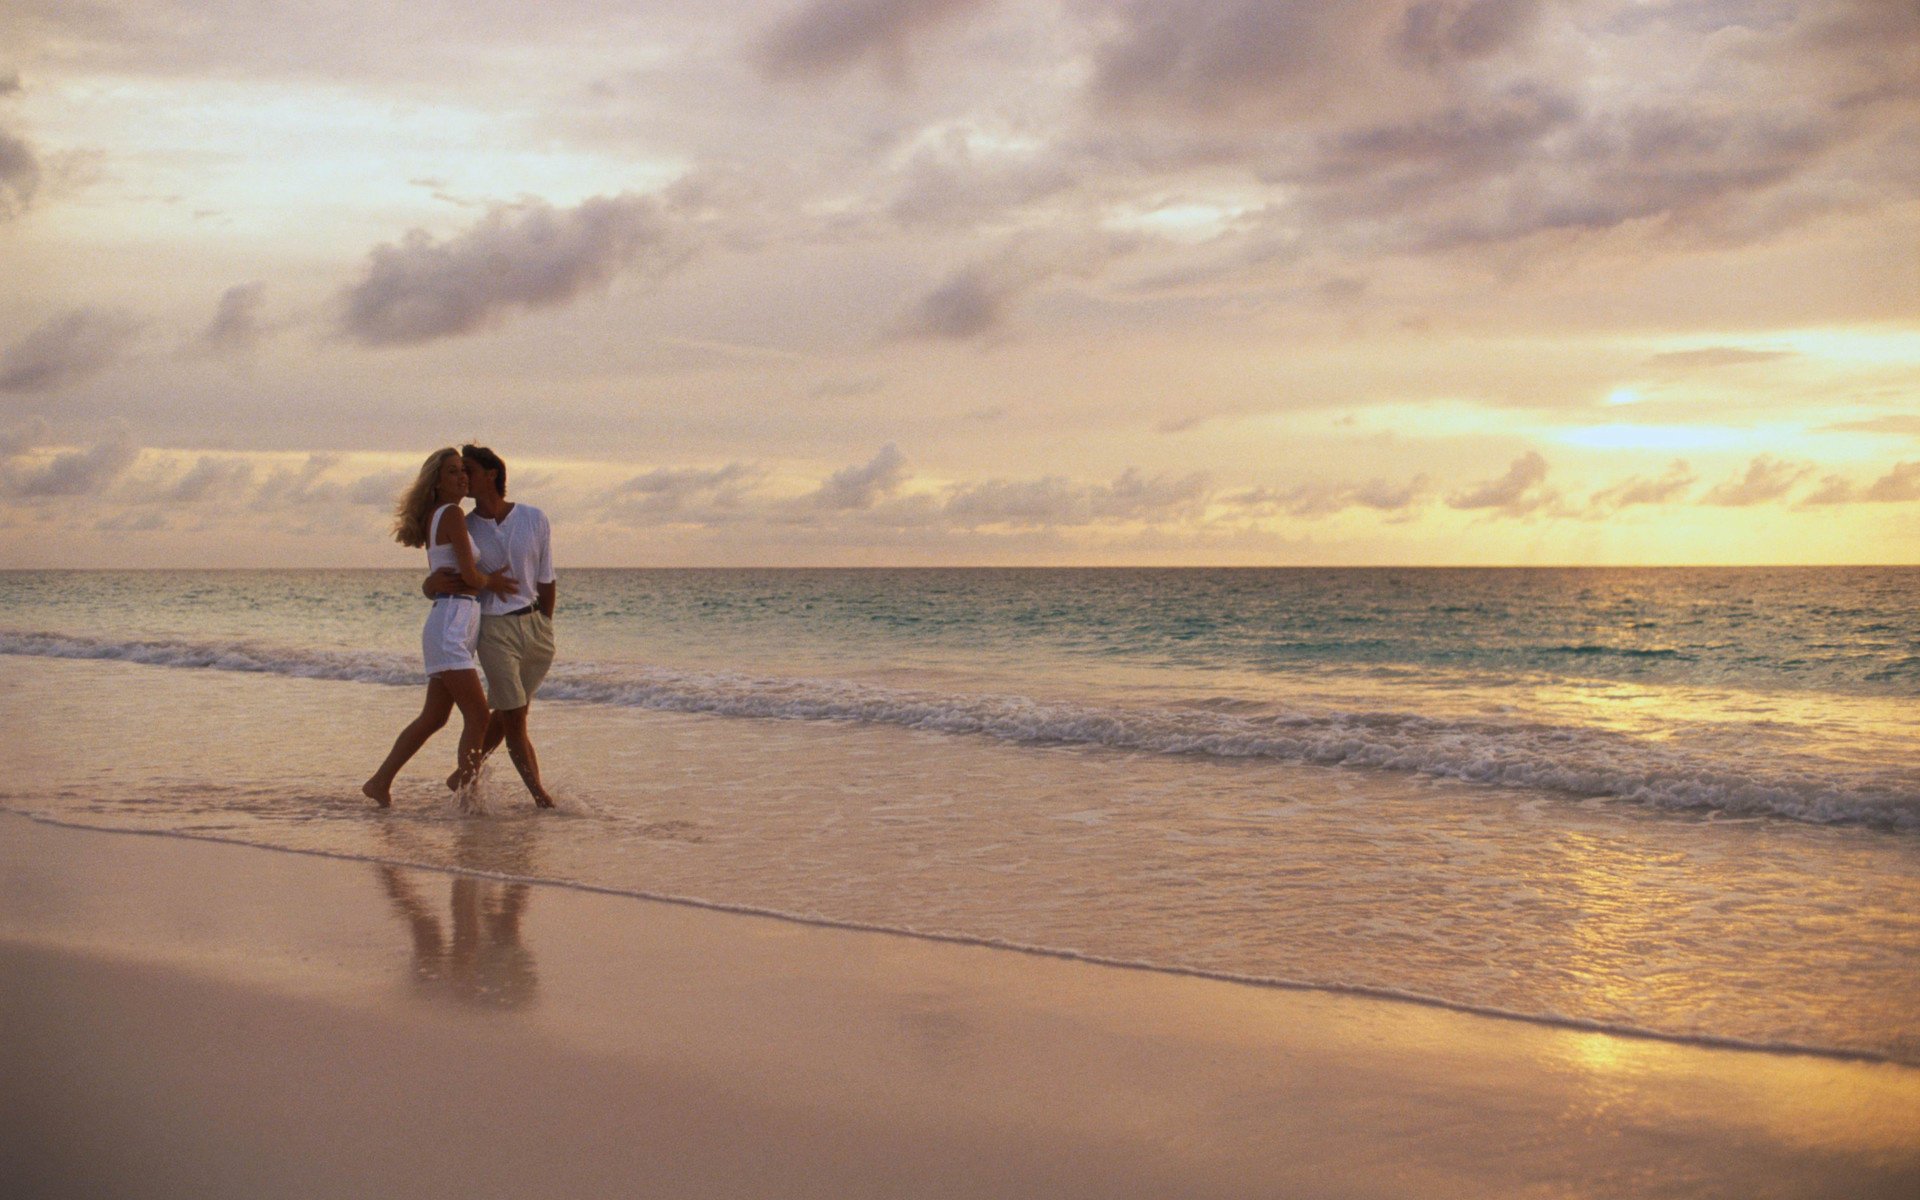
pixel 1679 802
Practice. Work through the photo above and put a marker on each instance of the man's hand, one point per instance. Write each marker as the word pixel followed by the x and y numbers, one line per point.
pixel 445 582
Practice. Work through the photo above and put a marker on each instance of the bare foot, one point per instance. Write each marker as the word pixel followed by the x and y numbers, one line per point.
pixel 379 795
pixel 454 781
pixel 542 800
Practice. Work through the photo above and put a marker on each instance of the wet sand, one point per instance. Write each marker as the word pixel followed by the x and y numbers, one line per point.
pixel 188 1018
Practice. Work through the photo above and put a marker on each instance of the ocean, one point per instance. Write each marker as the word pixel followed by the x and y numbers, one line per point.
pixel 1675 803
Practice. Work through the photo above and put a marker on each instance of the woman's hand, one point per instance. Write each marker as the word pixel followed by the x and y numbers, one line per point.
pixel 502 583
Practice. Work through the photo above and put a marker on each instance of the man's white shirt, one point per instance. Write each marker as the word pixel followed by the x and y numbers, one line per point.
pixel 522 543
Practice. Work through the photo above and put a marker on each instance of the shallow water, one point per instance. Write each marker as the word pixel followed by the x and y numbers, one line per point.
pixel 1727 853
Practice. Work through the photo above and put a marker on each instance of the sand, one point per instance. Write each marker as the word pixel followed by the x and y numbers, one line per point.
pixel 185 1018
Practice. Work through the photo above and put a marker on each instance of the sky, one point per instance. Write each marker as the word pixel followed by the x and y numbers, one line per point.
pixel 905 282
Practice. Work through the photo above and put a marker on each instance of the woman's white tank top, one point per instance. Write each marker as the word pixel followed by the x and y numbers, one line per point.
pixel 440 555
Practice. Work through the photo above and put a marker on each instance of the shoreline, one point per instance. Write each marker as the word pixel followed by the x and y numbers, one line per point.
pixel 227 1017
pixel 1357 991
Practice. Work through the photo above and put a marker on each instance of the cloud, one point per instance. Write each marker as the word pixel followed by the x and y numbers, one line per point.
pixel 1766 478
pixel 1520 491
pixel 1438 32
pixel 77 473
pixel 967 305
pixel 1666 489
pixel 1052 500
pixel 236 325
pixel 524 257
pixel 826 36
pixel 1834 489
pixel 19 175
pixel 65 349
pixel 302 488
pixel 1907 423
pixel 211 479
pixel 703 495
pixel 950 182
pixel 380 489
pixel 1323 499
pixel 1898 485
pixel 1711 357
pixel 860 487
pixel 1210 58
pixel 23 438
pixel 19 164
pixel 974 301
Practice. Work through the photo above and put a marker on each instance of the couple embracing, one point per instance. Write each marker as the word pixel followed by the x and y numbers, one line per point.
pixel 492 585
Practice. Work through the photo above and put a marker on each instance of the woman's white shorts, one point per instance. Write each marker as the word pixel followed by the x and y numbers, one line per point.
pixel 451 632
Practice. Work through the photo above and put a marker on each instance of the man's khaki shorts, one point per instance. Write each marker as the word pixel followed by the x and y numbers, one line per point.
pixel 515 653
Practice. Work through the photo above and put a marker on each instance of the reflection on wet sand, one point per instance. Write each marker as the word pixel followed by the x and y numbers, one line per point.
pixel 483 963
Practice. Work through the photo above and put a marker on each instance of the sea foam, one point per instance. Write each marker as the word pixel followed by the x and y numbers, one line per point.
pixel 1512 752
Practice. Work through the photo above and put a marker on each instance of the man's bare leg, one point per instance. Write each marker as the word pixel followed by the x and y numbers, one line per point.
pixel 520 749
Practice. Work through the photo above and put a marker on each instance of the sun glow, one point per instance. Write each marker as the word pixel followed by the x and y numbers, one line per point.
pixel 1673 438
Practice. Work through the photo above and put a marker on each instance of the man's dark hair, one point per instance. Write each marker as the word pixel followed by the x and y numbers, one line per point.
pixel 490 461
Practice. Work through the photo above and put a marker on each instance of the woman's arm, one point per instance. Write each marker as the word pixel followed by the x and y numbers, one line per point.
pixel 470 573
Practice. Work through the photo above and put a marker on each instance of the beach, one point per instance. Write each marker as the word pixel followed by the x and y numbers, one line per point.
pixel 187 1018
pixel 971 884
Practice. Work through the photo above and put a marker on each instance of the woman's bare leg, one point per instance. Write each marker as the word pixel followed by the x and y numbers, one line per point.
pixel 433 715
pixel 471 695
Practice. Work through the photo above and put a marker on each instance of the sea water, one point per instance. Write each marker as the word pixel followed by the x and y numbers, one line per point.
pixel 1677 802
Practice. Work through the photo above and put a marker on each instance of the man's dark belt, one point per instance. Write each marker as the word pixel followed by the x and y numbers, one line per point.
pixel 518 612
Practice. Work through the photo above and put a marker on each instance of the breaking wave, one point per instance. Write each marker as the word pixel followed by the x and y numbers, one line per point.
pixel 1569 759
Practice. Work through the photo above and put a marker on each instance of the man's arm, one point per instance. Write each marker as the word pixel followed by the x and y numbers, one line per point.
pixel 543 577
pixel 445 582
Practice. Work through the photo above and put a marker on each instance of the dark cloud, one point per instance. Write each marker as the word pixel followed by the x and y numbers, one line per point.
pixel 1437 32
pixel 1766 478
pixel 19 175
pixel 77 473
pixel 65 349
pixel 862 486
pixel 19 164
pixel 1668 488
pixel 1447 141
pixel 24 437
pixel 965 306
pixel 524 257
pixel 236 326
pixel 830 35
pixel 1215 58
pixel 974 301
pixel 211 479
pixel 1520 491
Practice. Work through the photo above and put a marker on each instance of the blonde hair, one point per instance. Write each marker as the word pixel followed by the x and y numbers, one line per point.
pixel 416 504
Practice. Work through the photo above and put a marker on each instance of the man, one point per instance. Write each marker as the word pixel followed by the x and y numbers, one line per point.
pixel 516 629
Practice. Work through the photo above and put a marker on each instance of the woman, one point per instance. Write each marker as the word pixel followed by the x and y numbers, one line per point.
pixel 429 515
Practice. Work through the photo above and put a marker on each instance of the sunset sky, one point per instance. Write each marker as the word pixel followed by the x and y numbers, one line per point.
pixel 966 281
